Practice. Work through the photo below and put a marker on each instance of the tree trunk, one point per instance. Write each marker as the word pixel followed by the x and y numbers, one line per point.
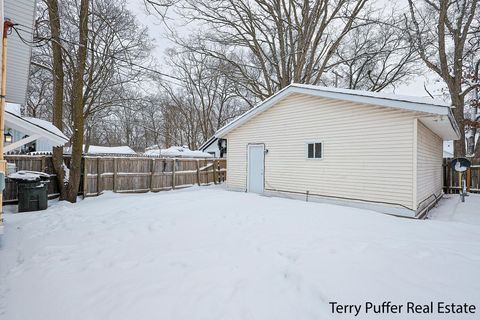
pixel 58 90
pixel 77 106
pixel 458 112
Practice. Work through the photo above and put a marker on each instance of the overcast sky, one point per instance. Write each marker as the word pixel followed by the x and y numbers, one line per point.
pixel 415 88
pixel 154 26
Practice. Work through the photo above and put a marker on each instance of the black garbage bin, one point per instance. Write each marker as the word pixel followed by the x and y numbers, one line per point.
pixel 32 191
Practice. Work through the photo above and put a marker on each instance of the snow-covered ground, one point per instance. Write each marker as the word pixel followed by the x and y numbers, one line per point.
pixel 212 254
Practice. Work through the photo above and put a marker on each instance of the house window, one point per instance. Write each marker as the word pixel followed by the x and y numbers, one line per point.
pixel 314 150
pixel 29 147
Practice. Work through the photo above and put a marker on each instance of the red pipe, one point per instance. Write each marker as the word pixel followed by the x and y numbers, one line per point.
pixel 7 24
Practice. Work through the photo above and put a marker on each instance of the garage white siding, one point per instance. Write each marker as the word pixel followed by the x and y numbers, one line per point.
pixel 368 150
pixel 429 165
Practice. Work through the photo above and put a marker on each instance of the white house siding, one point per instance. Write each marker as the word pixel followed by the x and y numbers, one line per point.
pixel 213 149
pixel 42 144
pixel 368 150
pixel 18 53
pixel 429 165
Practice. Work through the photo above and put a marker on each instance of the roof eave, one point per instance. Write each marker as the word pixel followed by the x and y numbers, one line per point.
pixel 31 128
pixel 403 105
pixel 384 102
pixel 454 124
pixel 442 126
pixel 207 143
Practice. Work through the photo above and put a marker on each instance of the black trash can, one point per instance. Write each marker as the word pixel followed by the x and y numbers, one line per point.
pixel 32 191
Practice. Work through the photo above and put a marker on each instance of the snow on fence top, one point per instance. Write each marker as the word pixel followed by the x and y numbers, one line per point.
pixel 176 152
pixel 101 150
pixel 110 150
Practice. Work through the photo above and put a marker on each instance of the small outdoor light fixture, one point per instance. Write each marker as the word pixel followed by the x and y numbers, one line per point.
pixel 222 146
pixel 8 137
pixel 222 143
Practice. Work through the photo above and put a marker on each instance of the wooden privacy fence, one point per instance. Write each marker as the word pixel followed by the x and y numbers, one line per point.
pixel 32 163
pixel 141 174
pixel 123 174
pixel 451 179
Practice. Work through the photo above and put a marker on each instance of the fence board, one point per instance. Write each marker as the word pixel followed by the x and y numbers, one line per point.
pixel 451 179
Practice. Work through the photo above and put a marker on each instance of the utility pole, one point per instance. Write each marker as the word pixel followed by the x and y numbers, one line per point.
pixel 7 25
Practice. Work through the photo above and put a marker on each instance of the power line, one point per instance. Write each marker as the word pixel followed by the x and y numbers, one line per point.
pixel 28 43
pixel 132 64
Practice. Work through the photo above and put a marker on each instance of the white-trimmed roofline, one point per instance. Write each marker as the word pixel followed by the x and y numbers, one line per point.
pixel 207 143
pixel 31 128
pixel 415 104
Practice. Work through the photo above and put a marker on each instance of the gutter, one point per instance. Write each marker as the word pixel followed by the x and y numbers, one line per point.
pixel 430 108
pixel 208 143
pixel 454 123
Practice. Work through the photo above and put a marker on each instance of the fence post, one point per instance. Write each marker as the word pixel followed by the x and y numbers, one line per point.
pixel 198 172
pixel 469 179
pixel 173 173
pixel 447 178
pixel 224 170
pixel 85 188
pixel 206 172
pixel 215 172
pixel 115 182
pixel 152 170
pixel 99 177
pixel 43 164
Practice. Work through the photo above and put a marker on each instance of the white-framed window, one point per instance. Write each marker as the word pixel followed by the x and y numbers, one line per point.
pixel 315 150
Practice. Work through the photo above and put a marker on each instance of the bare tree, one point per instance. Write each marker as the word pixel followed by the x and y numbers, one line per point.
pixel 472 110
pixel 58 76
pixel 39 98
pixel 116 41
pixel 116 49
pixel 374 57
pixel 209 97
pixel 439 30
pixel 272 43
pixel 205 100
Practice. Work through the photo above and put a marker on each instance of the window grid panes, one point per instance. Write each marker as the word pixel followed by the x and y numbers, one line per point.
pixel 314 150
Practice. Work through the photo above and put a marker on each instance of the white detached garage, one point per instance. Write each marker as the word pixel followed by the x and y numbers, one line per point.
pixel 374 150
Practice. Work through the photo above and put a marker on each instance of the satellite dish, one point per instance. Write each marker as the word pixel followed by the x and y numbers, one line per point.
pixel 460 164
